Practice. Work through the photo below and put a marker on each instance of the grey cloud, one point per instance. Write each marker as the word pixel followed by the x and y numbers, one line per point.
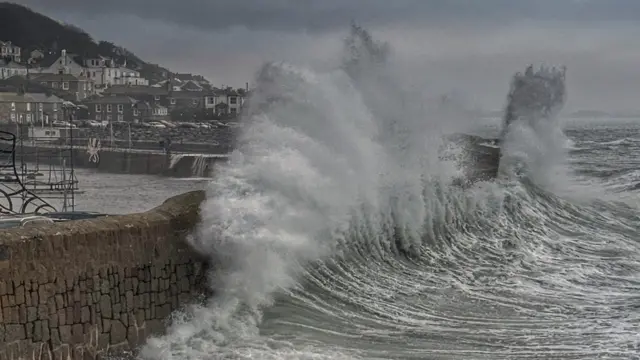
pixel 320 15
pixel 469 46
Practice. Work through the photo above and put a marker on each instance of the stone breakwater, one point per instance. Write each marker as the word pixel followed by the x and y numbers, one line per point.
pixel 85 289
pixel 124 161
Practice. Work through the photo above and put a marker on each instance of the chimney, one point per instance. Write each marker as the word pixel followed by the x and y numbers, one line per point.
pixel 247 86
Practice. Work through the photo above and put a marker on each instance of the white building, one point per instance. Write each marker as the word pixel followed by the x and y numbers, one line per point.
pixel 8 49
pixel 104 72
pixel 232 100
pixel 63 64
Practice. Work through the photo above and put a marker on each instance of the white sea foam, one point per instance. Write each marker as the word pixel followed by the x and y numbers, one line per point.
pixel 317 149
pixel 325 158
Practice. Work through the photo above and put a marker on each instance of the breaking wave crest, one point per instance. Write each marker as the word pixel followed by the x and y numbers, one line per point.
pixel 336 233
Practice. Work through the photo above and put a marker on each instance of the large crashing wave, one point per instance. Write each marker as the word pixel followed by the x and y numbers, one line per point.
pixel 328 163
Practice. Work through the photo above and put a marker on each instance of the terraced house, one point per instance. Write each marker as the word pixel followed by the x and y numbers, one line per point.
pixel 224 101
pixel 30 108
pixel 11 68
pixel 155 96
pixel 122 108
pixel 79 86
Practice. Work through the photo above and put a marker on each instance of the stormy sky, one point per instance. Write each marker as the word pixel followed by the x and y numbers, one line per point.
pixel 470 46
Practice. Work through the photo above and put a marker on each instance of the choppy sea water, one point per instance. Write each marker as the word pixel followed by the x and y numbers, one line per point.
pixel 532 276
pixel 542 278
pixel 124 194
pixel 337 234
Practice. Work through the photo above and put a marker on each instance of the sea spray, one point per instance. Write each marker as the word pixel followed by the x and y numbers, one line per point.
pixel 315 156
pixel 306 159
pixel 533 143
pixel 327 163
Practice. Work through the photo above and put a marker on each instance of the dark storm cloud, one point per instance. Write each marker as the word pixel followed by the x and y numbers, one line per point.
pixel 319 15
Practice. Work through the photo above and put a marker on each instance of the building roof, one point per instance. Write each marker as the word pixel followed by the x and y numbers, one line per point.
pixel 8 43
pixel 18 82
pixel 11 65
pixel 190 85
pixel 49 59
pixel 224 92
pixel 135 90
pixel 57 77
pixel 28 97
pixel 186 94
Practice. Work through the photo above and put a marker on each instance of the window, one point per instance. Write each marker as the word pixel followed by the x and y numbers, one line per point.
pixel 13 117
pixel 98 117
pixel 13 106
pixel 28 118
pixel 210 100
pixel 233 110
pixel 109 118
pixel 120 108
pixel 156 98
pixel 136 112
pixel 65 85
pixel 54 85
pixel 98 108
pixel 109 107
pixel 44 83
pixel 173 101
pixel 120 117
pixel 28 106
pixel 233 100
pixel 40 106
pixel 55 106
pixel 195 101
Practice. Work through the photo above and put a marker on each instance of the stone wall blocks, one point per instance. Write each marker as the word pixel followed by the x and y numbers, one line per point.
pixel 80 289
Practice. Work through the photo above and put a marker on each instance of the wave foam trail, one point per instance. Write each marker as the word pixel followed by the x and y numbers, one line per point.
pixel 321 153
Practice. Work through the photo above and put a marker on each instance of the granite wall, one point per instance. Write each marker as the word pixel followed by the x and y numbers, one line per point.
pixel 83 289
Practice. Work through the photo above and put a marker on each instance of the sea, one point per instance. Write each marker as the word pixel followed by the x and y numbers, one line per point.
pixel 337 231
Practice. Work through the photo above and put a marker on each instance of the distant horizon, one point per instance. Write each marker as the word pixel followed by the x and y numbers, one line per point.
pixel 580 113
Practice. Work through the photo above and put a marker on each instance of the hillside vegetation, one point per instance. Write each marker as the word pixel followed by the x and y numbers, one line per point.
pixel 31 30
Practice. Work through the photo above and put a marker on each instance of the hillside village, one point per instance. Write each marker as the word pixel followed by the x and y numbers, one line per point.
pixel 103 90
pixel 55 75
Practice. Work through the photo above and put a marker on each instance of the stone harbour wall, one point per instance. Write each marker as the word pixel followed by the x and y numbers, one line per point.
pixel 83 289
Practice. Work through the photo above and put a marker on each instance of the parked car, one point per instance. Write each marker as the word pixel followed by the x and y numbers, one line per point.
pixel 188 125
pixel 94 123
pixel 59 123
